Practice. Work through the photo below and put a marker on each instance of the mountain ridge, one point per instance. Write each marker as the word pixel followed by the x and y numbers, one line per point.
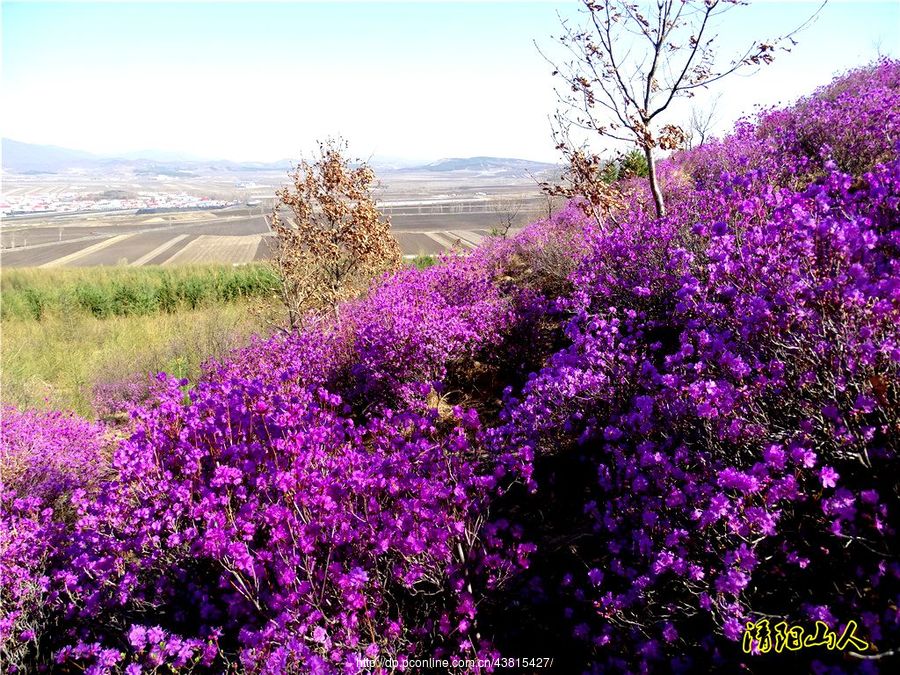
pixel 21 157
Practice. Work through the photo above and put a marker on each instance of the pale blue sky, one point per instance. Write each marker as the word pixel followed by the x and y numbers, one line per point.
pixel 413 80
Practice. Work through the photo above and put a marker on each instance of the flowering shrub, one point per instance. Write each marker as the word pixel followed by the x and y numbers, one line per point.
pixel 48 455
pixel 113 400
pixel 45 458
pixel 854 122
pixel 614 443
pixel 299 533
pixel 726 424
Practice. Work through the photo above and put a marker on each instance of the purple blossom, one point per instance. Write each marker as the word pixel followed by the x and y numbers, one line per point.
pixel 137 637
pixel 828 476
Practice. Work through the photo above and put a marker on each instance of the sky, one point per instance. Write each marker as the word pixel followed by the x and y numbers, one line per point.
pixel 412 81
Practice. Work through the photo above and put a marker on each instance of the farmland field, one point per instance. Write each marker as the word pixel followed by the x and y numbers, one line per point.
pixel 429 215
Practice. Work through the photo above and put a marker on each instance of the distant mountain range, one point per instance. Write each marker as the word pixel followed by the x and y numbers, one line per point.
pixel 19 157
pixel 488 165
pixel 25 157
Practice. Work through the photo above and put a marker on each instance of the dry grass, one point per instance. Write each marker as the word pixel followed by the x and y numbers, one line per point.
pixel 56 363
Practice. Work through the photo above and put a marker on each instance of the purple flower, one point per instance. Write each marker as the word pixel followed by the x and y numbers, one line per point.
pixel 828 476
pixel 737 480
pixel 733 629
pixel 155 635
pixel 137 637
pixel 733 581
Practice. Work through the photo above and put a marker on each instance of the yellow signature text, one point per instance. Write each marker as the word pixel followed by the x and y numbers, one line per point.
pixel 761 637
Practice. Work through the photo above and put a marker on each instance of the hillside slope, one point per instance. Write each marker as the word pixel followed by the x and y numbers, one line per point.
pixel 612 443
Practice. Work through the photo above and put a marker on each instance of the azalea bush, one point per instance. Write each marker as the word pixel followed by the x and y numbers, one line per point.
pixel 614 441
pixel 853 122
pixel 46 458
pixel 718 442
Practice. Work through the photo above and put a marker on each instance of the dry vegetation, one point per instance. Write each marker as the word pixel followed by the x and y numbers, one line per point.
pixel 81 339
pixel 334 240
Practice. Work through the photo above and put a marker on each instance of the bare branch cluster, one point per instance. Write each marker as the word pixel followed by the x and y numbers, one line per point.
pixel 508 214
pixel 701 123
pixel 631 60
pixel 586 176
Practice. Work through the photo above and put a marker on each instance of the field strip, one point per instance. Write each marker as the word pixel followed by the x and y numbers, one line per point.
pixel 454 239
pixel 99 246
pixel 439 237
pixel 190 217
pixel 218 248
pixel 468 236
pixel 165 246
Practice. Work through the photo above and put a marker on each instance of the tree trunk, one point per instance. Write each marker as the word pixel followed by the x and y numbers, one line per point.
pixel 654 183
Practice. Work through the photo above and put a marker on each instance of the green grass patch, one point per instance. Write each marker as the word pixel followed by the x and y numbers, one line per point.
pixel 424 261
pixel 67 333
pixel 103 292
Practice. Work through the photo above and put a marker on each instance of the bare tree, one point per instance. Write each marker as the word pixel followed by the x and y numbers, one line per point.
pixel 546 182
pixel 701 123
pixel 552 203
pixel 624 69
pixel 507 212
pixel 333 240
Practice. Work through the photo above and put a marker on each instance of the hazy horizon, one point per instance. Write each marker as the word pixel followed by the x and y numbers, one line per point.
pixel 154 154
pixel 411 82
